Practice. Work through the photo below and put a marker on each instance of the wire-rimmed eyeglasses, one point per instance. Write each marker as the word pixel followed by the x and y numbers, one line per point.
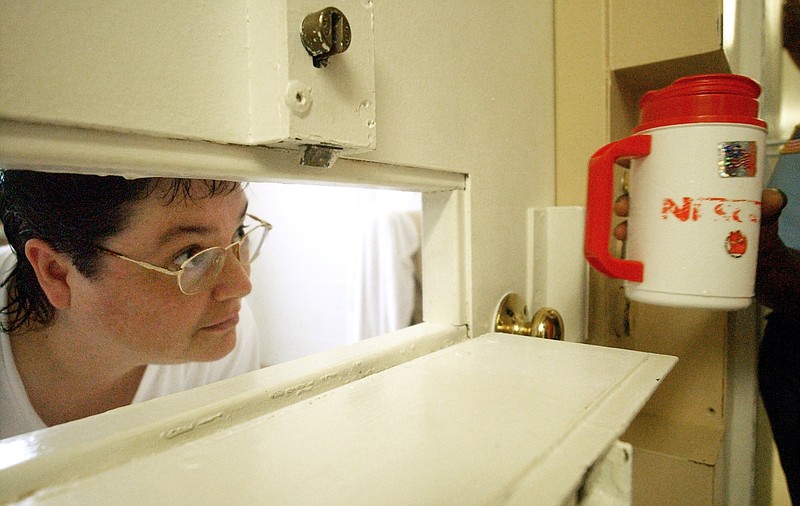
pixel 200 271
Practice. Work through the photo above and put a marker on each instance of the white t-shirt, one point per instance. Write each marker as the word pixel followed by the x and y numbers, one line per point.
pixel 17 415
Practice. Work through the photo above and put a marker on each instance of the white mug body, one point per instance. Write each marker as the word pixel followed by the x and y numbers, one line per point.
pixel 694 217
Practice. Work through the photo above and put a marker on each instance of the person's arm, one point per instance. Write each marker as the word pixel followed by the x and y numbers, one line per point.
pixel 778 272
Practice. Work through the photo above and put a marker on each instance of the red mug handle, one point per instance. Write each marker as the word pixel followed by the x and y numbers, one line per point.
pixel 599 203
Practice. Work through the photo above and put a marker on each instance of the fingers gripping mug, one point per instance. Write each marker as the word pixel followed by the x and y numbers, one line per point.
pixel 696 164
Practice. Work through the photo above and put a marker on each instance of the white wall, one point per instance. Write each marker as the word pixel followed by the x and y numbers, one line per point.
pixel 302 282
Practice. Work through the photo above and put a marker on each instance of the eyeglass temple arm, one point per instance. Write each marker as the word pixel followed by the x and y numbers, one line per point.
pixel 139 263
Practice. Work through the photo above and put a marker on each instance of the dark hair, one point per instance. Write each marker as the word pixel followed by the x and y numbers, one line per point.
pixel 74 214
pixel 791 29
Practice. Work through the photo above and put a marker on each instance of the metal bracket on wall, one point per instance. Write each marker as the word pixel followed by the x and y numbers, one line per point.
pixel 319 156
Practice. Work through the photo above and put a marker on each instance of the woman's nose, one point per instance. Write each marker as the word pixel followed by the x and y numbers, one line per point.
pixel 234 280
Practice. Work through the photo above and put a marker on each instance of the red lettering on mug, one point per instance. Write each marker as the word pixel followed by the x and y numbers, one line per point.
pixel 691 209
pixel 683 213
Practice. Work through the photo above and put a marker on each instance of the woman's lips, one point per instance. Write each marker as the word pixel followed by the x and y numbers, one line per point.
pixel 224 325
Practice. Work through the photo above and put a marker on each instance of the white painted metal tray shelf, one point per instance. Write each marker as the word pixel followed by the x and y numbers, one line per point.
pixel 498 419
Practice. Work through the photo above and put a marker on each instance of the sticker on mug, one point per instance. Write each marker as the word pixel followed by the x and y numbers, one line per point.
pixel 737 159
pixel 736 244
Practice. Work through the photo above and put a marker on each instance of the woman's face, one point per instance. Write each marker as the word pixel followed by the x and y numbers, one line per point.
pixel 141 315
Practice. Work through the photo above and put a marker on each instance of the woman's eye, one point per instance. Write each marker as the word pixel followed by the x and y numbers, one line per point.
pixel 185 255
pixel 239 233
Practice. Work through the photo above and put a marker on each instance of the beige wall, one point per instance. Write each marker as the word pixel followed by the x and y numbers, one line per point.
pixel 608 53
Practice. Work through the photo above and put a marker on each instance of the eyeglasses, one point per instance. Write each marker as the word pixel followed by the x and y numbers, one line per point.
pixel 201 270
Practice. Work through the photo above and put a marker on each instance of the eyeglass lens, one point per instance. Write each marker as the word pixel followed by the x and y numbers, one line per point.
pixel 200 271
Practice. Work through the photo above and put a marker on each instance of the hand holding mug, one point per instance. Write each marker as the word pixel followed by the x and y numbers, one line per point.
pixel 778 273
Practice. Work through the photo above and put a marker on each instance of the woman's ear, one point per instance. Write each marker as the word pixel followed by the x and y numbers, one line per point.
pixel 51 268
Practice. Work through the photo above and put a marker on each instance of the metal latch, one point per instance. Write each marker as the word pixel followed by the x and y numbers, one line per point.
pixel 325 33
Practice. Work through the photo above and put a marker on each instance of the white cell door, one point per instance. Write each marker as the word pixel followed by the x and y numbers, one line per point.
pixel 445 412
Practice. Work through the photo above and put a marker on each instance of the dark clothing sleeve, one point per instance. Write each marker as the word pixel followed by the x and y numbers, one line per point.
pixel 779 381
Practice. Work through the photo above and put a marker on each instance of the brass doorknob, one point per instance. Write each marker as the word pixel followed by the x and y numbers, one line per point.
pixel 512 318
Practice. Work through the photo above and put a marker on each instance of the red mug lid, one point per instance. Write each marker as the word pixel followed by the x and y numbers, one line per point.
pixel 706 98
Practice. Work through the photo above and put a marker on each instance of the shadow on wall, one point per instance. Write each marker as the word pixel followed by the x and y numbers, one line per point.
pixel 340 265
